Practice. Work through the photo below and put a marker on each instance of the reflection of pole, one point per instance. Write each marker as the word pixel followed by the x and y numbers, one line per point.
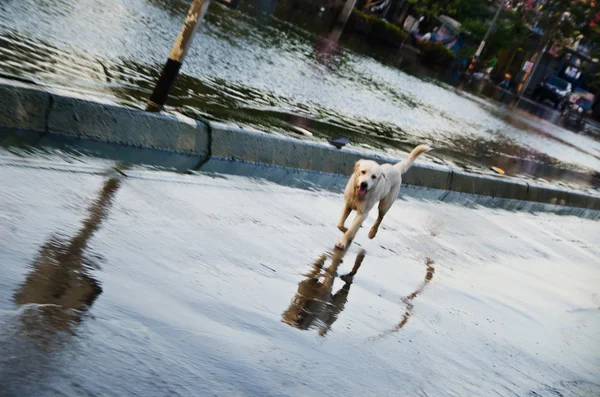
pixel 178 51
pixel 60 275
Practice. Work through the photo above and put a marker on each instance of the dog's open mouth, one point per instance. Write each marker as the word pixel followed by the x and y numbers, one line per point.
pixel 362 191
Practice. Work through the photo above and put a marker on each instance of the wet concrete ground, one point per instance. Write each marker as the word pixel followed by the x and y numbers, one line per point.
pixel 159 284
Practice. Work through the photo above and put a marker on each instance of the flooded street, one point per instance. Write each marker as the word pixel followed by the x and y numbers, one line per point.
pixel 153 283
pixel 138 281
pixel 270 74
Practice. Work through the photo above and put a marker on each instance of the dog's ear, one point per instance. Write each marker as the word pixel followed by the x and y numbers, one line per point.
pixel 357 165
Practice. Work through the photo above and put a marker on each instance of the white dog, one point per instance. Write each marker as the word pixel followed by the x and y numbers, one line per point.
pixel 371 183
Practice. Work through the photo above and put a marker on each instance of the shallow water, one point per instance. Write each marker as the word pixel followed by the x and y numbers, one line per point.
pixel 161 284
pixel 270 74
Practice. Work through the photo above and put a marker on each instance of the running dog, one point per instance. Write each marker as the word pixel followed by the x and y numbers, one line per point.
pixel 371 183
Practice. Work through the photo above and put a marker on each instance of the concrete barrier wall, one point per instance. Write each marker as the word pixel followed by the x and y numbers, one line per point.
pixel 116 124
pixel 255 146
pixel 46 117
pixel 37 115
pixel 23 108
pixel 237 144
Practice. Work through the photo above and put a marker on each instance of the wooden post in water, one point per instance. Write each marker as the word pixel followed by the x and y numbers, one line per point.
pixel 182 42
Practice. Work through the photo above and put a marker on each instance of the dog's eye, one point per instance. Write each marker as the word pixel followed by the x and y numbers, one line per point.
pixel 374 176
pixel 363 172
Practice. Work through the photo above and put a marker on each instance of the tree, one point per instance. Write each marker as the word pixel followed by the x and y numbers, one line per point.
pixel 510 32
pixel 560 20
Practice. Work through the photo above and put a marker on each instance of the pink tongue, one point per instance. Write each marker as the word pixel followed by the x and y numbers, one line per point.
pixel 361 191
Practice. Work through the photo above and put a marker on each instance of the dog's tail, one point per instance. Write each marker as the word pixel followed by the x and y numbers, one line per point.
pixel 405 164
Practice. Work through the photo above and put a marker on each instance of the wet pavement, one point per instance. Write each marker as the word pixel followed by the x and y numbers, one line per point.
pixel 156 284
pixel 270 74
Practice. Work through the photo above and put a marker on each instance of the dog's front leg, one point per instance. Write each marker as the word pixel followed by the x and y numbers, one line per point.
pixel 345 214
pixel 350 233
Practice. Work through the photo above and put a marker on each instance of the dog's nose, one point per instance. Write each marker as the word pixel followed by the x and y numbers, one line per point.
pixel 364 185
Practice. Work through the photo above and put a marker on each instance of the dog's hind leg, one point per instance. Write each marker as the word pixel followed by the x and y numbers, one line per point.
pixel 384 207
pixel 345 214
pixel 375 227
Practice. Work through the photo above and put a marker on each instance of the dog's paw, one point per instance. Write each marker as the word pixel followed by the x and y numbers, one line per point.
pixel 341 245
pixel 343 228
pixel 372 233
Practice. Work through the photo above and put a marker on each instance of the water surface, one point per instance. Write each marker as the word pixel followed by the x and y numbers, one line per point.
pixel 271 74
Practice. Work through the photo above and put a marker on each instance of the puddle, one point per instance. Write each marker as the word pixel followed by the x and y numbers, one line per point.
pixel 175 284
pixel 315 305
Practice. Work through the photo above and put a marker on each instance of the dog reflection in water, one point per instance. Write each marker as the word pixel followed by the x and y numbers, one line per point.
pixel 60 282
pixel 314 306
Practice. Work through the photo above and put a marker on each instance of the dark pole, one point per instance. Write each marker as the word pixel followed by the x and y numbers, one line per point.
pixel 489 31
pixel 345 13
pixel 487 35
pixel 171 70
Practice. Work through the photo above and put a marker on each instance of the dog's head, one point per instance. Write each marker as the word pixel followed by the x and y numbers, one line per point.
pixel 366 175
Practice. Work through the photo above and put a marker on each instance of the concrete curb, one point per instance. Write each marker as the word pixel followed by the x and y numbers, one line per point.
pixel 40 116
pixel 37 115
